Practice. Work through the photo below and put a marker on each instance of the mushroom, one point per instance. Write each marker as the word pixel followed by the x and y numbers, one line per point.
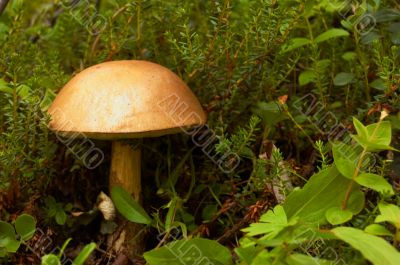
pixel 120 100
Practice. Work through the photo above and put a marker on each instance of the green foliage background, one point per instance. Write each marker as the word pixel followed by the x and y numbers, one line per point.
pixel 239 57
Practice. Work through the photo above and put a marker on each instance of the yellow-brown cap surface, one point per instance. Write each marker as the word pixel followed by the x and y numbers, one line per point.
pixel 125 99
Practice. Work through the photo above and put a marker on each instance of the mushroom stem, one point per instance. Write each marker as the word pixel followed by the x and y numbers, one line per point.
pixel 125 172
pixel 125 168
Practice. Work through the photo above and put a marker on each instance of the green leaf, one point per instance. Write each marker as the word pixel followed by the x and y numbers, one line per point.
pixel 346 158
pixel 349 56
pixel 25 225
pixel 373 248
pixel 342 79
pixel 50 259
pixel 190 251
pixel 337 216
pixel 377 230
pixel 128 207
pixel 301 259
pixel 84 254
pixel 380 133
pixel 306 77
pixel 61 217
pixel 378 84
pixel 8 237
pixel 331 33
pixel 324 190
pixel 356 201
pixel 247 250
pixel 270 112
pixel 294 43
pixel 374 182
pixel 271 223
pixel 374 137
pixel 360 128
pixel 4 87
pixel 389 213
pixel 23 91
pixel 172 208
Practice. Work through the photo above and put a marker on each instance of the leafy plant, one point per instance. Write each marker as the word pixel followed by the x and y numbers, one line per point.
pixel 57 210
pixel 12 236
pixel 52 259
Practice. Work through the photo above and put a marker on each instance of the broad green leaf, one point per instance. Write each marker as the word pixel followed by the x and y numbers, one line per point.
pixel 84 254
pixel 301 259
pixel 377 138
pixel 378 84
pixel 373 248
pixel 324 190
pixel 50 259
pixel 128 207
pixel 389 213
pixel 306 77
pixel 337 216
pixel 370 146
pixel 377 230
pixel 190 251
pixel 294 44
pixel 380 133
pixel 8 237
pixel 345 158
pixel 61 217
pixel 270 112
pixel 331 33
pixel 25 225
pixel 342 79
pixel 356 201
pixel 374 182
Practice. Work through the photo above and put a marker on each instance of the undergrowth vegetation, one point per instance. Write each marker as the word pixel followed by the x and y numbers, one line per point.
pixel 302 94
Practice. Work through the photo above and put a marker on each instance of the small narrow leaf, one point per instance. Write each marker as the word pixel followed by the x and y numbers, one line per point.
pixel 373 248
pixel 294 44
pixel 360 128
pixel 301 259
pixel 4 87
pixel 329 34
pixel 128 207
pixel 84 254
pixel 374 182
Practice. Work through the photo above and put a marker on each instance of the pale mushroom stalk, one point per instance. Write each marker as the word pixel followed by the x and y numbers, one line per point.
pixel 125 168
pixel 125 100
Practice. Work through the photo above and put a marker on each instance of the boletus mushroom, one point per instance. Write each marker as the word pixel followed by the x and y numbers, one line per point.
pixel 120 100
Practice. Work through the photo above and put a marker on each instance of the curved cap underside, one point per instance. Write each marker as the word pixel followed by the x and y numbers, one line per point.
pixel 125 99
